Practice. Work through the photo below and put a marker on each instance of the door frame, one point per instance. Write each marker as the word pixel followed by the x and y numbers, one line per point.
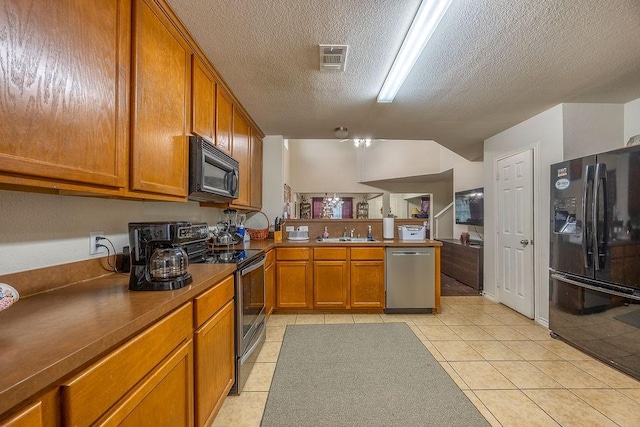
pixel 536 227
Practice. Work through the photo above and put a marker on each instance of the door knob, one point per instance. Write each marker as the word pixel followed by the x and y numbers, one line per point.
pixel 524 242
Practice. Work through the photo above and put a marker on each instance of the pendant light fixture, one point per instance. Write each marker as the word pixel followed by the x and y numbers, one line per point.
pixel 424 24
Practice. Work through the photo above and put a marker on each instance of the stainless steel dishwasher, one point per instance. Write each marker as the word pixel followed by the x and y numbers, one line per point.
pixel 410 280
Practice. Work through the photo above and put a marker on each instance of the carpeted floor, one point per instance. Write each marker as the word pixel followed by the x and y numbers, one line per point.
pixel 362 375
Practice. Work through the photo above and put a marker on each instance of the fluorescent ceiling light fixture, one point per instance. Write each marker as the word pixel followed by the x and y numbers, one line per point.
pixel 427 18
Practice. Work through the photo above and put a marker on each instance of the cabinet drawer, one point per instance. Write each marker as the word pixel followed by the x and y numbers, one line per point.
pixel 92 392
pixel 330 253
pixel 293 254
pixel 367 253
pixel 207 304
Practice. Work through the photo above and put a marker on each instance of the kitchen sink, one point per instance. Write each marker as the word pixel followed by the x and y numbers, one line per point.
pixel 345 240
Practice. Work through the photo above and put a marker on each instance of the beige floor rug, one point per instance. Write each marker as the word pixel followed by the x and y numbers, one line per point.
pixel 362 375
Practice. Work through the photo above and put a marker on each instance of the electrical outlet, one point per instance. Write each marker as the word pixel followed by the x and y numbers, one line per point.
pixel 289 228
pixel 93 248
pixel 303 228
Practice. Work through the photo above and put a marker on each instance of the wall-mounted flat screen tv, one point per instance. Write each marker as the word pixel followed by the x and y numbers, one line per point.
pixel 470 207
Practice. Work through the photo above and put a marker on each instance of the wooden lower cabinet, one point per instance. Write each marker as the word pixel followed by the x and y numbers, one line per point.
pixel 88 396
pixel 165 397
pixel 270 282
pixel 342 278
pixel 367 278
pixel 330 278
pixel 214 349
pixel 330 284
pixel 367 284
pixel 294 284
pixel 214 363
pixel 294 278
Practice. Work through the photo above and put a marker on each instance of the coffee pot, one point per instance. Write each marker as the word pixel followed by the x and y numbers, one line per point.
pixel 168 263
pixel 158 259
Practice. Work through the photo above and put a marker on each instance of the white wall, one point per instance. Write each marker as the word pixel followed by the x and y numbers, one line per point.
pixel 273 178
pixel 631 119
pixel 41 230
pixel 324 165
pixel 544 133
pixel 591 128
pixel 399 158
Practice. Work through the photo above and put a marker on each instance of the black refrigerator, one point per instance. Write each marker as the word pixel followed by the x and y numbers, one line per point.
pixel 594 289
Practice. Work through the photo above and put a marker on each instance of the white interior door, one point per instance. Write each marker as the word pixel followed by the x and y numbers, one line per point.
pixel 515 232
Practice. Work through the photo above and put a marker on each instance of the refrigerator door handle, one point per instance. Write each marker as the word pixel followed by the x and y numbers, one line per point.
pixel 584 285
pixel 599 239
pixel 587 241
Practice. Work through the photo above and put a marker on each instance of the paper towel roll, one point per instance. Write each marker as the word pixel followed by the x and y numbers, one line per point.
pixel 387 228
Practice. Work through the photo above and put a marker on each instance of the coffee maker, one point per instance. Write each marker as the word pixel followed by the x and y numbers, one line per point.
pixel 158 260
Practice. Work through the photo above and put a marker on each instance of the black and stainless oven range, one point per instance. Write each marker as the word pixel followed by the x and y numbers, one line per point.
pixel 249 308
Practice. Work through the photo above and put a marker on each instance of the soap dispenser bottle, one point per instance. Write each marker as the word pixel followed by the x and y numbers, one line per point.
pixel 325 233
pixel 369 234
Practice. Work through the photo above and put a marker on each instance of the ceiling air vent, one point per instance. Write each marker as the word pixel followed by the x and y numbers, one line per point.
pixel 333 57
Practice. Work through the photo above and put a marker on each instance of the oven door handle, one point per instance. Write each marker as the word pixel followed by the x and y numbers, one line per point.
pixel 254 266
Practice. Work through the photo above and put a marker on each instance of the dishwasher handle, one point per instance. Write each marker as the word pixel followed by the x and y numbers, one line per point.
pixel 409 253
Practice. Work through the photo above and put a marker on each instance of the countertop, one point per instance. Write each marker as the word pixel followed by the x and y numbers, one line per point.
pixel 269 244
pixel 46 337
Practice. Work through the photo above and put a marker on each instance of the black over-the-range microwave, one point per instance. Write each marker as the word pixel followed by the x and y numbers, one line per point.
pixel 213 174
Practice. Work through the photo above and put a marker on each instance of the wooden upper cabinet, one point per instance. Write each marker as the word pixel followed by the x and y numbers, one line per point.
pixel 65 94
pixel 224 119
pixel 241 152
pixel 256 171
pixel 162 76
pixel 203 100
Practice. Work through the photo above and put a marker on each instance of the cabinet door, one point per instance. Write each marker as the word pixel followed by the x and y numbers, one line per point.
pixel 203 101
pixel 240 152
pixel 90 394
pixel 367 284
pixel 330 284
pixel 224 119
pixel 165 397
pixel 270 285
pixel 65 96
pixel 215 367
pixel 256 171
pixel 162 75
pixel 294 284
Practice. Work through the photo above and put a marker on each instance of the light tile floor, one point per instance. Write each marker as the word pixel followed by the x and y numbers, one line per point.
pixel 506 364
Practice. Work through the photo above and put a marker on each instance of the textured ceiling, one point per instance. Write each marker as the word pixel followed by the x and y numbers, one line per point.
pixel 490 64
